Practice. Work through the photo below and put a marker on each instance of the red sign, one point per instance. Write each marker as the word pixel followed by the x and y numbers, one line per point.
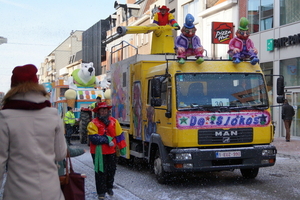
pixel 222 32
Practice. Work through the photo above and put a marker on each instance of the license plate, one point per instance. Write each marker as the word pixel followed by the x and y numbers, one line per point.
pixel 228 154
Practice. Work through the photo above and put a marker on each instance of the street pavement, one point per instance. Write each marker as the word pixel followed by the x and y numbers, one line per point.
pixel 83 164
pixel 291 148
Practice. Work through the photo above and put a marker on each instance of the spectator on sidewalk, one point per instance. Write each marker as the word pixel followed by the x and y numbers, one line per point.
pixel 288 113
pixel 32 139
pixel 69 120
pixel 105 134
pixel 94 105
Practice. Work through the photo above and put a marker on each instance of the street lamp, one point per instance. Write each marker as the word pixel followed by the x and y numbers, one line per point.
pixel 3 40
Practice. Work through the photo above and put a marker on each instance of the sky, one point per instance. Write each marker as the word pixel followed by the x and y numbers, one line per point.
pixel 34 28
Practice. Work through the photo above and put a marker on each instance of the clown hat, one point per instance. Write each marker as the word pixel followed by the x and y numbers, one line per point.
pixel 244 24
pixel 189 21
pixel 164 8
pixel 101 105
pixel 25 73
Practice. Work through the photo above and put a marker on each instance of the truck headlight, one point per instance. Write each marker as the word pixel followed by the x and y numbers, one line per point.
pixel 183 156
pixel 268 152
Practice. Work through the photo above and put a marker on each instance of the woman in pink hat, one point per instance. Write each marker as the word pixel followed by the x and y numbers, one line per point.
pixel 32 140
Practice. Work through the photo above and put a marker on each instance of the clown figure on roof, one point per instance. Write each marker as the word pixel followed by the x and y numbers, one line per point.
pixel 188 43
pixel 241 47
pixel 163 17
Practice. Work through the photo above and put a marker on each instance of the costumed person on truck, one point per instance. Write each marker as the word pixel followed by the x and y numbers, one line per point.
pixel 163 17
pixel 242 47
pixel 69 120
pixel 32 140
pixel 105 134
pixel 188 43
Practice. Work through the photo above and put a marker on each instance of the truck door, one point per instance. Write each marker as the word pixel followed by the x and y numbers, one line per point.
pixel 163 113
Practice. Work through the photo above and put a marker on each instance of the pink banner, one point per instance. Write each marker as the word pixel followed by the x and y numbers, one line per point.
pixel 187 120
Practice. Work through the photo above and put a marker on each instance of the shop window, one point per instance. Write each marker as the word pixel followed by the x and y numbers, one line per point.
pixel 260 15
pixel 267 69
pixel 290 70
pixel 192 8
pixel 289 11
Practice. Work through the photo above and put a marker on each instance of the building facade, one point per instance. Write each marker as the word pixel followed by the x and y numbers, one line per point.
pixel 275 27
pixel 57 63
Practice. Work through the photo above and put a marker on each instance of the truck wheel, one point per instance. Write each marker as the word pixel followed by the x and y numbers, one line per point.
pixel 249 173
pixel 84 120
pixel 159 172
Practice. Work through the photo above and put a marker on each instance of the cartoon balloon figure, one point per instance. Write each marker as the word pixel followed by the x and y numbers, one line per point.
pixel 187 43
pixel 241 47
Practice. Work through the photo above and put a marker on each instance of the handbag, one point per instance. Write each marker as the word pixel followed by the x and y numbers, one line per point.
pixel 72 183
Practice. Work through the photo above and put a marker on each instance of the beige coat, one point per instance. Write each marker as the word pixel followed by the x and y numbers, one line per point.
pixel 31 141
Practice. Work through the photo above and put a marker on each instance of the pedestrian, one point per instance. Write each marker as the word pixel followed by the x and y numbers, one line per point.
pixel 98 100
pixel 69 120
pixel 94 105
pixel 163 17
pixel 32 140
pixel 105 134
pixel 287 116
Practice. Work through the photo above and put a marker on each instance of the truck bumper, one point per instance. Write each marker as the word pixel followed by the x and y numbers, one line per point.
pixel 218 159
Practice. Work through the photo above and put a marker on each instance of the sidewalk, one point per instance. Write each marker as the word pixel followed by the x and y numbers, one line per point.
pixel 291 148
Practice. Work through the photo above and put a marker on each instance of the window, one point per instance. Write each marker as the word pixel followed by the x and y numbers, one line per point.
pixel 289 69
pixel 146 38
pixel 289 11
pixel 209 90
pixel 267 69
pixel 260 15
pixel 164 90
pixel 192 8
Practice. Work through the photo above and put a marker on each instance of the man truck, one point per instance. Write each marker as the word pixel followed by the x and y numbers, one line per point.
pixel 193 117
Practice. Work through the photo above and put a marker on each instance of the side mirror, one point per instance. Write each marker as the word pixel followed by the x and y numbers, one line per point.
pixel 280 86
pixel 168 115
pixel 280 99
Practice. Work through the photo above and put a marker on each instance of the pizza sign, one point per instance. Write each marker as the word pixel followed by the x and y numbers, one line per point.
pixel 222 32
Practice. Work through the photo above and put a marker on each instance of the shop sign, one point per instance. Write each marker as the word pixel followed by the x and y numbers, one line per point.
pixel 222 32
pixel 283 42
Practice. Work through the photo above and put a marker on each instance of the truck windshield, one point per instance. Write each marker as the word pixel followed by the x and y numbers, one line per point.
pixel 231 91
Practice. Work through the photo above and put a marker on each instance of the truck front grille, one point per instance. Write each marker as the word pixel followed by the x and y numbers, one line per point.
pixel 221 136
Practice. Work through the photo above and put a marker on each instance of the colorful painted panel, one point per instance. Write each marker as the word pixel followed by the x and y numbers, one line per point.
pixel 87 94
pixel 187 120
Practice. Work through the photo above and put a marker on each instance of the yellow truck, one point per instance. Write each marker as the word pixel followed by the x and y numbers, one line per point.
pixel 193 117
